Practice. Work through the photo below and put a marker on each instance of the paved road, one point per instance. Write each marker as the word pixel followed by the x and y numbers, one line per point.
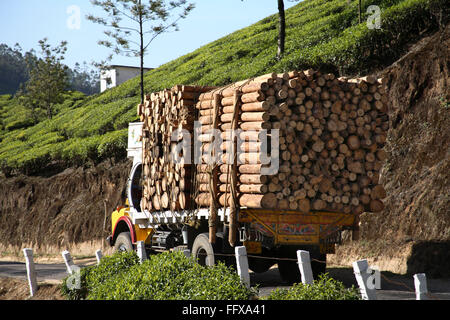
pixel 393 286
pixel 46 272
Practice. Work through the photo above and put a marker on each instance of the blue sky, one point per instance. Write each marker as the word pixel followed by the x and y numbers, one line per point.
pixel 27 21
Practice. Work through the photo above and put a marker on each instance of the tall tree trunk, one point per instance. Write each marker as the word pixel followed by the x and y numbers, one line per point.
pixel 141 34
pixel 49 111
pixel 359 11
pixel 282 28
pixel 48 104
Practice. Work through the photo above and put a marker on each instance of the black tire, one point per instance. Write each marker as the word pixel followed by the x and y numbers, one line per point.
pixel 289 270
pixel 123 243
pixel 202 250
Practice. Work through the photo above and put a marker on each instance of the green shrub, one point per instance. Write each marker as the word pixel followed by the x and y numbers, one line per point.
pixel 76 293
pixel 202 283
pixel 92 277
pixel 173 276
pixel 324 288
pixel 163 277
pixel 169 276
pixel 111 266
pixel 18 124
pixel 113 144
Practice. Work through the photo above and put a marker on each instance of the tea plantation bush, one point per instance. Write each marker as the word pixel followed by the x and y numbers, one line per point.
pixel 93 276
pixel 324 35
pixel 164 276
pixel 172 276
pixel 324 288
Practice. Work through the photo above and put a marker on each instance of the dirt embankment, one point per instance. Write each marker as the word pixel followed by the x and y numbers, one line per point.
pixel 412 234
pixel 416 174
pixel 61 211
pixel 15 289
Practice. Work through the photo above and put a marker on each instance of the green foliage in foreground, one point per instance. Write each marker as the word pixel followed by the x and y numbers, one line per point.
pixel 321 34
pixel 324 288
pixel 93 276
pixel 164 276
pixel 173 276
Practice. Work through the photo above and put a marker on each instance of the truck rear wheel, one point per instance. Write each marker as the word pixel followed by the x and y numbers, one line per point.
pixel 202 250
pixel 123 243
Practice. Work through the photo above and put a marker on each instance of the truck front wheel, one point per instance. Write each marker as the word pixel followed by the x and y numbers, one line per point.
pixel 123 243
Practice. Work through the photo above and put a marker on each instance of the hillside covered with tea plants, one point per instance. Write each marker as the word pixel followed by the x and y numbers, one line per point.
pixel 321 34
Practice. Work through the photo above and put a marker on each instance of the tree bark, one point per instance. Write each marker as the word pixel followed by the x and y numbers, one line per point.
pixel 282 28
pixel 141 34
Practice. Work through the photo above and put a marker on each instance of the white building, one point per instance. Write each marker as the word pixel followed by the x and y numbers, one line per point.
pixel 117 75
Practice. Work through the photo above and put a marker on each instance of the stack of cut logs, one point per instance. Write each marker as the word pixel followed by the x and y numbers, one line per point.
pixel 331 134
pixel 167 180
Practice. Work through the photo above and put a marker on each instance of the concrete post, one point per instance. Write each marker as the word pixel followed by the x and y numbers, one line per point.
pixel 68 261
pixel 420 283
pixel 242 265
pixel 141 251
pixel 304 264
pixel 362 275
pixel 31 271
pixel 98 255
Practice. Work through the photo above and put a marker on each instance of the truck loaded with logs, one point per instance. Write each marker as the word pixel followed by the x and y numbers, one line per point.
pixel 276 163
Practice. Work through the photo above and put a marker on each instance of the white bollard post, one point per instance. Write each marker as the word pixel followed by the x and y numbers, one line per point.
pixel 68 261
pixel 242 265
pixel 304 264
pixel 31 271
pixel 98 255
pixel 420 283
pixel 363 277
pixel 141 251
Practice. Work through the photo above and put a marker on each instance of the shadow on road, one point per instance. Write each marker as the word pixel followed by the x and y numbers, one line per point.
pixel 393 286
